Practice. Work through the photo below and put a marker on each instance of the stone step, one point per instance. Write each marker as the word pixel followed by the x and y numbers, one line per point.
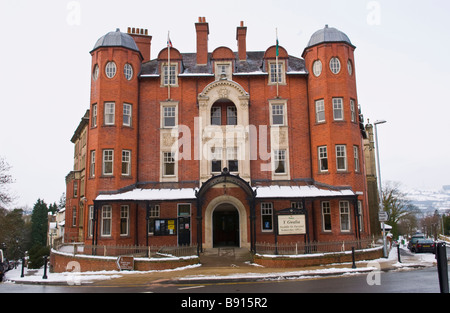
pixel 225 256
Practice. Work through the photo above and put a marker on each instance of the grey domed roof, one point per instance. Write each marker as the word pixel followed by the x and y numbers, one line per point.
pixel 116 39
pixel 328 34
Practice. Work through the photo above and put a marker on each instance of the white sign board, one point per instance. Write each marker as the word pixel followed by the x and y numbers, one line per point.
pixel 383 216
pixel 291 224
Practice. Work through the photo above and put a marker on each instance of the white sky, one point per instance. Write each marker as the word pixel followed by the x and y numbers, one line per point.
pixel 402 67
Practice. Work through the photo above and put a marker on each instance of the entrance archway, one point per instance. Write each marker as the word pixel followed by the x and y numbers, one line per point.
pixel 226 226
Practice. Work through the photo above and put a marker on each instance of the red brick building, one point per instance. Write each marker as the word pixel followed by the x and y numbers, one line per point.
pixel 219 148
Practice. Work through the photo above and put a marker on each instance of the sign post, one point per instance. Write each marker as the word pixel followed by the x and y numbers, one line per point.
pixel 291 221
pixel 125 263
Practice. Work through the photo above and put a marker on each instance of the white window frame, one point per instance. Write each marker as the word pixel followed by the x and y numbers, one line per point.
pixel 280 155
pixel 326 213
pixel 320 111
pixel 266 210
pixel 317 68
pixel 216 156
pixel 106 225
pixel 110 69
pixel 173 74
pixel 350 67
pixel 356 158
pixel 338 109
pixel 95 72
pixel 169 157
pixel 352 111
pixel 128 71
pixel 231 115
pixel 94 115
pixel 216 114
pixel 341 154
pixel 169 112
pixel 108 157
pixel 91 221
pixel 124 216
pixel 75 189
pixel 277 110
pixel 322 153
pixel 281 72
pixel 344 216
pixel 127 114
pixel 92 164
pixel 335 65
pixel 126 161
pixel 183 205
pixel 109 113
pixel 233 155
pixel 154 213
pixel 74 216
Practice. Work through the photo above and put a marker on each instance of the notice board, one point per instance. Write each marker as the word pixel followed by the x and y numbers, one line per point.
pixel 165 227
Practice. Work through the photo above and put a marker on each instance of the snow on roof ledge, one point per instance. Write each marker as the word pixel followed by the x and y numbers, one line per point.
pixel 261 192
pixel 299 191
pixel 150 194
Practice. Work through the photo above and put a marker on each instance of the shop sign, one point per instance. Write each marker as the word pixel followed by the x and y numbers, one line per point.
pixel 291 224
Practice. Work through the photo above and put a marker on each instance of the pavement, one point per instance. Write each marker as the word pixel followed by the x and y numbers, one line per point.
pixel 224 266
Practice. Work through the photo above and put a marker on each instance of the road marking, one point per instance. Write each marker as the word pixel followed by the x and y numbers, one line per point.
pixel 192 287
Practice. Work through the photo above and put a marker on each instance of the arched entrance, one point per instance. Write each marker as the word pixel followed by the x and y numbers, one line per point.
pixel 226 226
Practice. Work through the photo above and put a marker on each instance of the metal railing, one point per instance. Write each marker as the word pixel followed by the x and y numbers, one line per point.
pixel 296 248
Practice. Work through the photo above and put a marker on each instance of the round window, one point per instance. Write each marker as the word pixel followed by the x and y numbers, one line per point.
pixel 95 72
pixel 128 71
pixel 110 69
pixel 350 67
pixel 317 68
pixel 335 65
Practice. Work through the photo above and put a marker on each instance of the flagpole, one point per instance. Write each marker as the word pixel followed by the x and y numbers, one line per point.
pixel 168 67
pixel 276 70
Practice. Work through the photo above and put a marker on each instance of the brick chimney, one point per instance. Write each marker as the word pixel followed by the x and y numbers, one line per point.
pixel 202 29
pixel 143 41
pixel 241 37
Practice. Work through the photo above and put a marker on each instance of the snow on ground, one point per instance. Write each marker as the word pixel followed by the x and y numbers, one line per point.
pixel 35 276
pixel 418 259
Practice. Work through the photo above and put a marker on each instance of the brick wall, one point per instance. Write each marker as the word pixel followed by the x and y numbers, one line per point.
pixel 59 263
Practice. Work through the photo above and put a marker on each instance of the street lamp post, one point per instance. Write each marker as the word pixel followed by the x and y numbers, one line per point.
pixel 379 185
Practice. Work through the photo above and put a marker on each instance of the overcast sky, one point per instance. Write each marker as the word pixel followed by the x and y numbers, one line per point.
pixel 402 66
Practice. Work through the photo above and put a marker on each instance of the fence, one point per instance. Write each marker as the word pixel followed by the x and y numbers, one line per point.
pixel 294 248
pixel 128 250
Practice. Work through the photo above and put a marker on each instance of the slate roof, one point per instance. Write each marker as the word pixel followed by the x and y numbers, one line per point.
pixel 328 34
pixel 254 65
pixel 116 39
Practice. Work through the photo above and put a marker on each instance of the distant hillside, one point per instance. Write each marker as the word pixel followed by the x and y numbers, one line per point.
pixel 431 200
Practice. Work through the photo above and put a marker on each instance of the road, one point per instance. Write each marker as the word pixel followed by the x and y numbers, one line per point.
pixel 405 281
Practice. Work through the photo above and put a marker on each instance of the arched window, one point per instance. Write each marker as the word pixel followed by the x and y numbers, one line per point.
pixel 223 113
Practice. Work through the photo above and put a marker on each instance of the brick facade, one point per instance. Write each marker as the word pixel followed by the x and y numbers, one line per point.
pixel 268 134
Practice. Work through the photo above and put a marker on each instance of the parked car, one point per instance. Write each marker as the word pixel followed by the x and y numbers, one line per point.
pixel 424 245
pixel 413 241
pixel 4 265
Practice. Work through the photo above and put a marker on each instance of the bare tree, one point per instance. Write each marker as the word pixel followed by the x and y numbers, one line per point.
pixel 397 205
pixel 5 180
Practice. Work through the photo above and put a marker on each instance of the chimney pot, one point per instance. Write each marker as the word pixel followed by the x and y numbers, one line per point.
pixel 241 37
pixel 202 30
